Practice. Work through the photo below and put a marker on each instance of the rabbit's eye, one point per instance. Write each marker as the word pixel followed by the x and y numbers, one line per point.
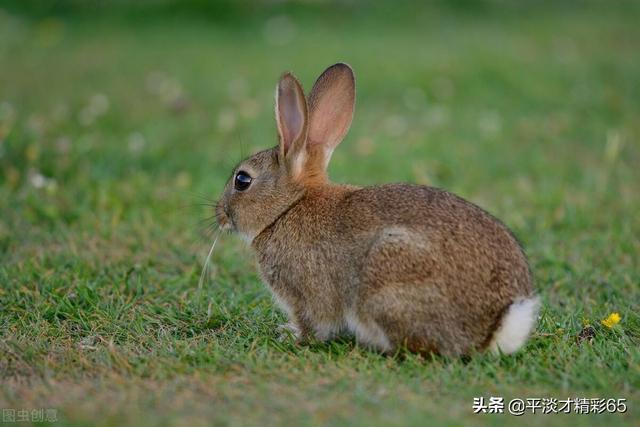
pixel 242 181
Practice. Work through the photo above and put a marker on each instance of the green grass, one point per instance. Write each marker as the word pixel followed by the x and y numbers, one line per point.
pixel 114 129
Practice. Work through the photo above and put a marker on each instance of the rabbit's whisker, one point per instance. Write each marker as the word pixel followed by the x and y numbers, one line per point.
pixel 205 267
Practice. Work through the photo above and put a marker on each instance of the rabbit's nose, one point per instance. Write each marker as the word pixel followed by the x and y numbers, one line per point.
pixel 221 214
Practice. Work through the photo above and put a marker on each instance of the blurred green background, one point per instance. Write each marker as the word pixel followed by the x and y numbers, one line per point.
pixel 121 121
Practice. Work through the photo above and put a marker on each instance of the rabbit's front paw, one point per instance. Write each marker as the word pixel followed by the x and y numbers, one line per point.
pixel 287 331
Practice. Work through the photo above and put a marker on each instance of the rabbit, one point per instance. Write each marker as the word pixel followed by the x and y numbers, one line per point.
pixel 400 266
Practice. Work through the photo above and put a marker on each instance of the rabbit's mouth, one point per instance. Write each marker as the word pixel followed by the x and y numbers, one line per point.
pixel 225 222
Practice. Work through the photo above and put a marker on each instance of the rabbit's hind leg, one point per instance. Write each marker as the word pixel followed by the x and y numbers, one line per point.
pixel 402 300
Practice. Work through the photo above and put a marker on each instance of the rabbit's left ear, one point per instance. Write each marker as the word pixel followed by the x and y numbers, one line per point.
pixel 331 104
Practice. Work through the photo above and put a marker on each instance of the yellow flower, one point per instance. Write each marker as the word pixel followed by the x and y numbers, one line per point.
pixel 612 320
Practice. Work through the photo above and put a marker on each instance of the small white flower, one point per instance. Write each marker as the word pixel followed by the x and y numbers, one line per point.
pixel 279 30
pixel 136 142
pixel 227 120
pixel 395 125
pixel 99 104
pixel 38 180
pixel 414 98
pixel 490 123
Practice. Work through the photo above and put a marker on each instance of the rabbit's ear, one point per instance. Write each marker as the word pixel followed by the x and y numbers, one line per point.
pixel 331 105
pixel 292 119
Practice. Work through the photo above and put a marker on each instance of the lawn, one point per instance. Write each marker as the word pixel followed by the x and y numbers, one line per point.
pixel 119 128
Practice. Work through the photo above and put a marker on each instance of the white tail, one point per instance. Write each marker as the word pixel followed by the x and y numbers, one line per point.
pixel 516 325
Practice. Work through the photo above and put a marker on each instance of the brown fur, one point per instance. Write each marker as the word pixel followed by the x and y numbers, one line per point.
pixel 425 268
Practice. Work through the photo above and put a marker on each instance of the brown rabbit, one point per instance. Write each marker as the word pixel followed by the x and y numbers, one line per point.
pixel 399 265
